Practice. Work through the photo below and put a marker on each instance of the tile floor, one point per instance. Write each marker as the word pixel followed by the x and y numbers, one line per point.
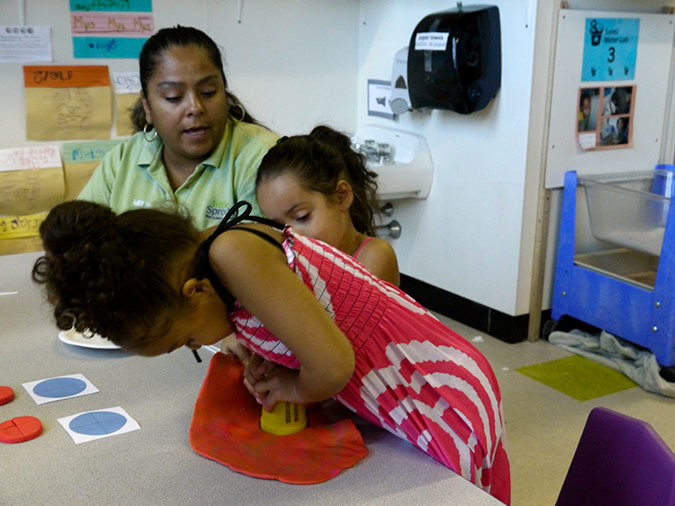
pixel 543 426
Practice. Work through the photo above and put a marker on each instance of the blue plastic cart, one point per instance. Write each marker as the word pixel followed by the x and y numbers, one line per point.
pixel 628 293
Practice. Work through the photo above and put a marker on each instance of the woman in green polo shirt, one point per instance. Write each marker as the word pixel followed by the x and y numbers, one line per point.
pixel 196 147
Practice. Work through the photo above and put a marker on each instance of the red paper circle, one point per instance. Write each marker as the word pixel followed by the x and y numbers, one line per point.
pixel 6 395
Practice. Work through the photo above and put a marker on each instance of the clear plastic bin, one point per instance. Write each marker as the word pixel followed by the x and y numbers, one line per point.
pixel 630 209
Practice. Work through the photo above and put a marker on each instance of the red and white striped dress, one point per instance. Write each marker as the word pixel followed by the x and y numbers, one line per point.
pixel 414 377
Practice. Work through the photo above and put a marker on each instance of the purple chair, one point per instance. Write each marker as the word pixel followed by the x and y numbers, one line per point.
pixel 619 461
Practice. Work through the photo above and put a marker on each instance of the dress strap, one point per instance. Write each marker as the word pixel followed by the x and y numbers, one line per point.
pixel 262 235
pixel 358 250
pixel 239 212
pixel 232 218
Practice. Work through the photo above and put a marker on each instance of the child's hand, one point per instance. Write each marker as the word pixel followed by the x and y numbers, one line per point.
pixel 256 370
pixel 270 383
pixel 231 346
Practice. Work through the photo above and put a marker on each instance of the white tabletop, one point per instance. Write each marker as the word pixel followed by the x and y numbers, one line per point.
pixel 155 465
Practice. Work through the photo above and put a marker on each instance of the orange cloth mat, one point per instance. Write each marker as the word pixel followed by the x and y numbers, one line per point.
pixel 226 428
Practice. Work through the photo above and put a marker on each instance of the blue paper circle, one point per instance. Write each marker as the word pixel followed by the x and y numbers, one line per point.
pixel 97 423
pixel 59 387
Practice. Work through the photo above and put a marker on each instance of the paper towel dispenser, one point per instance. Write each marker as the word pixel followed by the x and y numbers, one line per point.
pixel 454 59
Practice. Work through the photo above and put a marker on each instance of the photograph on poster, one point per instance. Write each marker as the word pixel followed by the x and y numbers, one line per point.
pixel 614 130
pixel 617 100
pixel 589 102
pixel 604 117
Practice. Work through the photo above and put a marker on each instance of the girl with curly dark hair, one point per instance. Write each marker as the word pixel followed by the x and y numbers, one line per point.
pixel 317 323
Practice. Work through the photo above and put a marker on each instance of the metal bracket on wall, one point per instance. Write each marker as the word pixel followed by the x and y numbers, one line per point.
pixel 387 209
pixel 391 229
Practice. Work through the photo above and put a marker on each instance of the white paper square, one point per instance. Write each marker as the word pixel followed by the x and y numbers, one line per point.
pixel 128 425
pixel 78 382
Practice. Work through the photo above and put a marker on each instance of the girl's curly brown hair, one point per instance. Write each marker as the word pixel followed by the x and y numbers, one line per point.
pixel 110 274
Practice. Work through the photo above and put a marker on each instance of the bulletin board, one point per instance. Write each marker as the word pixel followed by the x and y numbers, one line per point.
pixel 602 56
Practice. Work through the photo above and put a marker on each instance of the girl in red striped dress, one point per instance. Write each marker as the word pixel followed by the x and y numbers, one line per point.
pixel 337 330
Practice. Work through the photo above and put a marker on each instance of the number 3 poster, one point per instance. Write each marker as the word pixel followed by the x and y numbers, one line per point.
pixel 610 49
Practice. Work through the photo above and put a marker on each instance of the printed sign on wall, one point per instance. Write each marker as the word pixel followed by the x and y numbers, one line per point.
pixel 610 49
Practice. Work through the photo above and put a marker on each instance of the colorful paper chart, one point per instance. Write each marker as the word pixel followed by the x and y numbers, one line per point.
pixel 59 388
pixel 91 425
pixel 31 181
pixel 67 102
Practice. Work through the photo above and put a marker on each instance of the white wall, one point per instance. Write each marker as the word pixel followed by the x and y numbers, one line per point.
pixel 297 63
pixel 473 235
pixel 293 63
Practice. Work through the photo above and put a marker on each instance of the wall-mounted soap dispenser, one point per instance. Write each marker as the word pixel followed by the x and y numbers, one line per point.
pixel 454 59
pixel 399 99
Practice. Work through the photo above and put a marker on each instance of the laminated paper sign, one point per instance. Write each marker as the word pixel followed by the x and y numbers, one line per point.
pixel 79 161
pixel 67 102
pixel 31 183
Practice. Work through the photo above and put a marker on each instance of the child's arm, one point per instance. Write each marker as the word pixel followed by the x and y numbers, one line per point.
pixel 255 272
pixel 379 258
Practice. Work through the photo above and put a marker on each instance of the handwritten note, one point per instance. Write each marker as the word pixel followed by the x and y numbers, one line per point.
pixel 34 157
pixel 111 5
pixel 107 47
pixel 87 151
pixel 110 28
pixel 127 86
pixel 126 82
pixel 30 191
pixel 67 102
pixel 116 23
pixel 587 140
pixel 14 227
pixel 31 182
pixel 25 44
pixel 65 76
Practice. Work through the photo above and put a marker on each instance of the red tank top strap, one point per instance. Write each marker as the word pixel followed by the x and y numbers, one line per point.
pixel 355 256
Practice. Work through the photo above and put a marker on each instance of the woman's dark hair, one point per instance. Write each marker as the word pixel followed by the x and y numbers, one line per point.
pixel 165 39
pixel 320 160
pixel 112 274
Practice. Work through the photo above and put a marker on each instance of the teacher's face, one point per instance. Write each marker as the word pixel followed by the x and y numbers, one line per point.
pixel 186 103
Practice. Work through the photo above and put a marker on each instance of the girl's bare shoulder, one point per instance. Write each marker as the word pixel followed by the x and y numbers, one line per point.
pixel 378 257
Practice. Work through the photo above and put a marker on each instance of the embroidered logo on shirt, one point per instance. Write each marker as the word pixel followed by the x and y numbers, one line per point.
pixel 141 203
pixel 215 212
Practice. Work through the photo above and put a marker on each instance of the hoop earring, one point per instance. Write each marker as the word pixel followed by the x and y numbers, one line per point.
pixel 243 112
pixel 145 133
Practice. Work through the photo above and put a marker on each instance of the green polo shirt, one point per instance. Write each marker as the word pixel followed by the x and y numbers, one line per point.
pixel 132 175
